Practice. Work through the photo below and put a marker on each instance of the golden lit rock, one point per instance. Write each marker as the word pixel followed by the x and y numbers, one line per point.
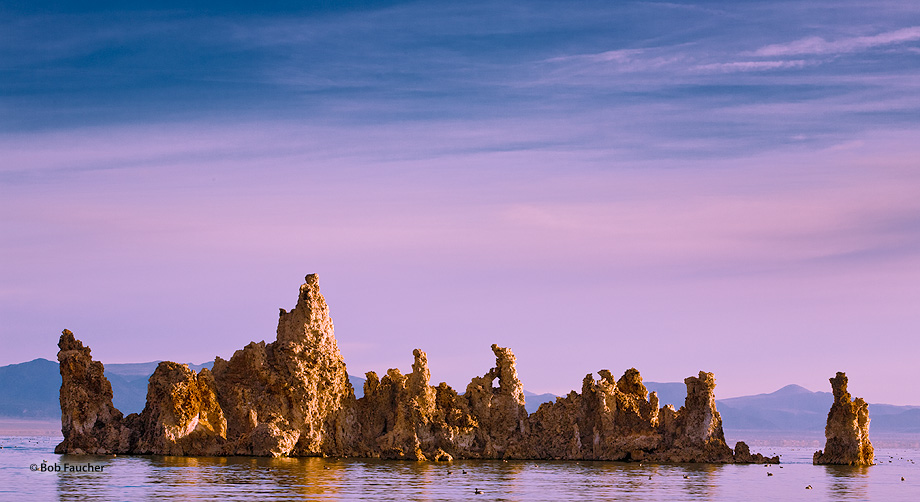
pixel 292 397
pixel 847 429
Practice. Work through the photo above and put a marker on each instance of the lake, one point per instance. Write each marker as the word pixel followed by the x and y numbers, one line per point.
pixel 249 478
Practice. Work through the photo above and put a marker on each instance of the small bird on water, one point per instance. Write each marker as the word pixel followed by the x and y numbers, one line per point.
pixel 808 487
pixel 477 491
pixel 769 474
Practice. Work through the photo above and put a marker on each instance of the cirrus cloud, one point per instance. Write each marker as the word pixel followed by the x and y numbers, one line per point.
pixel 818 45
pixel 750 66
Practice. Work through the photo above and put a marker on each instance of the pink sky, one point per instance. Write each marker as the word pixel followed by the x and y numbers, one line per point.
pixel 771 269
pixel 722 186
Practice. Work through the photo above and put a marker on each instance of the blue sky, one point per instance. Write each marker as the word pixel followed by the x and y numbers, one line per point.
pixel 727 186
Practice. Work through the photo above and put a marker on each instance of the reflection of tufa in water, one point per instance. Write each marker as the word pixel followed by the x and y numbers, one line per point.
pixel 292 397
pixel 847 429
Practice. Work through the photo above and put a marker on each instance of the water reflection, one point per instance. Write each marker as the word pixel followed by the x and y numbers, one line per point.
pixel 847 482
pixel 73 485
pixel 701 480
pixel 248 478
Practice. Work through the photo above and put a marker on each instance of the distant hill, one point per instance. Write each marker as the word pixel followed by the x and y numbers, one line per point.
pixel 795 408
pixel 129 383
pixel 358 384
pixel 669 393
pixel 30 390
pixel 792 408
pixel 532 401
pixel 133 370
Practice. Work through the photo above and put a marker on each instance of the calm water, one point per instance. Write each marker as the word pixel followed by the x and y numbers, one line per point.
pixel 248 479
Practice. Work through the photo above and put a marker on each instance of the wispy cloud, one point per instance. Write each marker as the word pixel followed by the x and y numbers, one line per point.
pixel 818 45
pixel 745 172
pixel 741 66
pixel 618 56
pixel 618 61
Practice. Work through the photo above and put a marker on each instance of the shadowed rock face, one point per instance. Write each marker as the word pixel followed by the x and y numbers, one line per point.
pixel 182 413
pixel 847 429
pixel 292 397
pixel 89 422
pixel 287 397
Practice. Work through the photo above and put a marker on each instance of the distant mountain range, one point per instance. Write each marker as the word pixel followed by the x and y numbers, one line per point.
pixel 30 390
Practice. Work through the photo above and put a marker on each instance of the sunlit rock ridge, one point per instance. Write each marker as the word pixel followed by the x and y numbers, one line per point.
pixel 292 397
pixel 847 429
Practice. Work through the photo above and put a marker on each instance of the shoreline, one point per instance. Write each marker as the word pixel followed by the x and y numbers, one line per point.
pixel 17 427
pixel 47 427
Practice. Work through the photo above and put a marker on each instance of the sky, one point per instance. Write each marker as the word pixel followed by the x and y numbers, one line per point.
pixel 680 186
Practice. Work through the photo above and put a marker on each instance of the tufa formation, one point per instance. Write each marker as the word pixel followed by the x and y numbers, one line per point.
pixel 89 421
pixel 292 397
pixel 847 429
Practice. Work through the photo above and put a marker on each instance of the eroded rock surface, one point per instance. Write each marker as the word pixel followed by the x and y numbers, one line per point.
pixel 287 397
pixel 89 422
pixel 847 429
pixel 619 420
pixel 182 413
pixel 292 397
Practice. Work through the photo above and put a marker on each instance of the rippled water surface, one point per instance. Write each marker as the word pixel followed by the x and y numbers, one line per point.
pixel 249 479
